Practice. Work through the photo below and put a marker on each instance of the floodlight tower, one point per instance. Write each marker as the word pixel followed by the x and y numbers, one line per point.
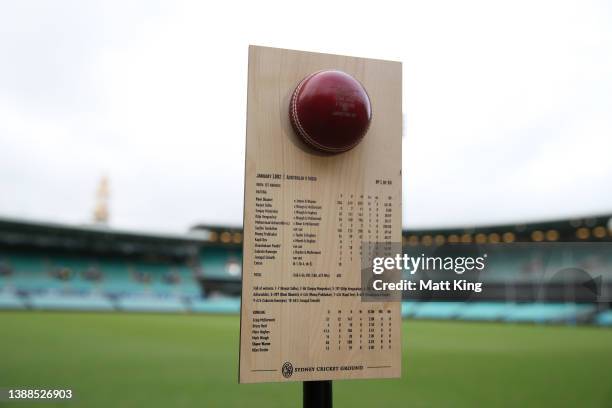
pixel 101 213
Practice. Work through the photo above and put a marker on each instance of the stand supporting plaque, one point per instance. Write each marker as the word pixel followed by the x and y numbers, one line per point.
pixel 306 216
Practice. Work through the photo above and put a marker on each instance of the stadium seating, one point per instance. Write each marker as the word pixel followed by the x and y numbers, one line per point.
pixel 408 308
pixel 529 265
pixel 51 301
pixel 137 285
pixel 223 306
pixel 499 311
pixel 604 318
pixel 437 310
pixel 549 312
pixel 484 311
pixel 221 263
pixel 9 300
pixel 38 273
pixel 151 304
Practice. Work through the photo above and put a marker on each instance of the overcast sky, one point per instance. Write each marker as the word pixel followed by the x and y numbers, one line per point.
pixel 508 105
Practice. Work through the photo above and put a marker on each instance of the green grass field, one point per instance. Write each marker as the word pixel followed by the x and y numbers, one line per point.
pixel 131 360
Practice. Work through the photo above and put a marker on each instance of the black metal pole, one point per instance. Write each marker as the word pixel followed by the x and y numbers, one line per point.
pixel 317 394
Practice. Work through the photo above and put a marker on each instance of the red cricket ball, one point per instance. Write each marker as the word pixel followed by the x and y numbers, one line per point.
pixel 331 111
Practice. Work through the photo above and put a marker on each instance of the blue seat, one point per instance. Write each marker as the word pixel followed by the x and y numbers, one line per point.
pixel 548 312
pixel 226 305
pixel 221 264
pixel 151 304
pixel 438 310
pixel 484 311
pixel 70 302
pixel 9 300
pixel 604 318
pixel 408 308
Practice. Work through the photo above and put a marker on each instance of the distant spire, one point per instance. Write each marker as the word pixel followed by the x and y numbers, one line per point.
pixel 101 213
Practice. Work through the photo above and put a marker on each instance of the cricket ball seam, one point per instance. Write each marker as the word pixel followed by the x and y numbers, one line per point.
pixel 304 133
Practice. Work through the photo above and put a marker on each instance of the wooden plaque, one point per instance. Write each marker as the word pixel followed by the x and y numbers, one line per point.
pixel 306 216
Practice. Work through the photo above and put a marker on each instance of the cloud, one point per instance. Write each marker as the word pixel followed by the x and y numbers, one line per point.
pixel 506 105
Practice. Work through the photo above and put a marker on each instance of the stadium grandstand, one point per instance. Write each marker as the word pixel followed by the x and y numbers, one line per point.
pixel 60 267
pixel 548 272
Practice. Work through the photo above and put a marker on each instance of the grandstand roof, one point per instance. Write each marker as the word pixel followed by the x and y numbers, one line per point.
pixel 30 233
pixel 97 238
pixel 593 228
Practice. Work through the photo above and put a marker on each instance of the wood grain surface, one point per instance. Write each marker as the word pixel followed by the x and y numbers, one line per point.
pixel 305 217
